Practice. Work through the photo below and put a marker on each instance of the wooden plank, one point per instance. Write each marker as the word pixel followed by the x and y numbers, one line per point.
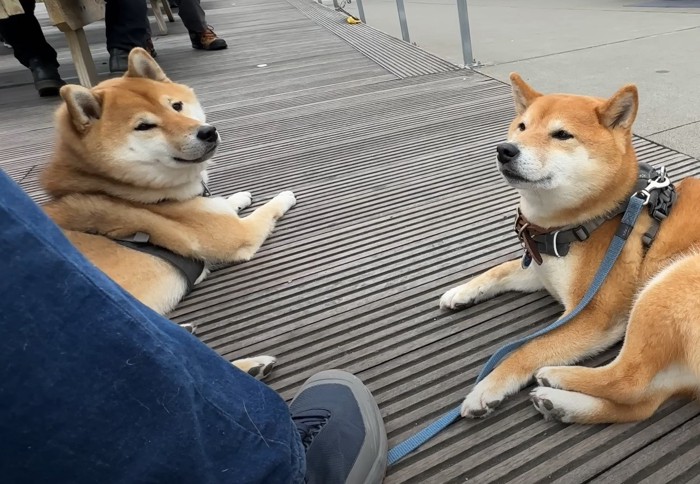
pixel 390 152
pixel 82 57
pixel 158 14
pixel 168 11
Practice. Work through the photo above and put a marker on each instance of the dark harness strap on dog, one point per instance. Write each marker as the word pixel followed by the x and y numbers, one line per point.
pixel 557 241
pixel 191 269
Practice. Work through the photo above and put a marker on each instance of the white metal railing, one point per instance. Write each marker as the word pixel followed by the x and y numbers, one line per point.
pixel 462 16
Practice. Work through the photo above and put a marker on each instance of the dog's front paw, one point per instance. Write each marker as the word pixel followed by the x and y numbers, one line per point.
pixel 287 200
pixel 481 401
pixel 241 200
pixel 463 295
pixel 552 376
pixel 564 406
pixel 259 367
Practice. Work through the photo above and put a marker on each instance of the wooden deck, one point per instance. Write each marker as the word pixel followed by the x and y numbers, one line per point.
pixel 391 153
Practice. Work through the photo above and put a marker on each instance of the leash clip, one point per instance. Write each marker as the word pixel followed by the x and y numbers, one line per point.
pixel 661 181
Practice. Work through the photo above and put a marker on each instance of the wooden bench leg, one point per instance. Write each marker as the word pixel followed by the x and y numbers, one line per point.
pixel 158 14
pixel 168 11
pixel 82 57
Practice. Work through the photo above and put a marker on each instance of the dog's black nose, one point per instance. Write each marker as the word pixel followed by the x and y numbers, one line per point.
pixel 507 152
pixel 207 133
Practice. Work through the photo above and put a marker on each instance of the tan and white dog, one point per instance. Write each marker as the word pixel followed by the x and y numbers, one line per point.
pixel 131 157
pixel 571 160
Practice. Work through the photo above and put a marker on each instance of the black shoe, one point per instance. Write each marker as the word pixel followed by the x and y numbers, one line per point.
pixel 118 60
pixel 342 430
pixel 47 80
pixel 207 40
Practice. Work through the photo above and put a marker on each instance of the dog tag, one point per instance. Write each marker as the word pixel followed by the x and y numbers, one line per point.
pixel 525 261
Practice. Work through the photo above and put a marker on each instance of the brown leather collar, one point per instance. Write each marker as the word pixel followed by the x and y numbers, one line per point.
pixel 526 232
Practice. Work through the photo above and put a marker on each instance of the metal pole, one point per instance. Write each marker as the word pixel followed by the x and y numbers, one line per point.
pixel 402 20
pixel 465 34
pixel 361 11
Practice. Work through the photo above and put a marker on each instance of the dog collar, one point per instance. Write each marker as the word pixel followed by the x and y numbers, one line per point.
pixel 556 241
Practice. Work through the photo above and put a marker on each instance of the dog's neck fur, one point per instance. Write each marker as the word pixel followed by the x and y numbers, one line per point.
pixel 68 173
pixel 566 206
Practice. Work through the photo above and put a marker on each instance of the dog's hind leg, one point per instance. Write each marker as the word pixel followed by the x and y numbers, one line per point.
pixel 509 276
pixel 656 358
pixel 573 407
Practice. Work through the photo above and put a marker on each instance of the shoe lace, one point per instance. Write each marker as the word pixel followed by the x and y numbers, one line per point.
pixel 309 424
pixel 209 35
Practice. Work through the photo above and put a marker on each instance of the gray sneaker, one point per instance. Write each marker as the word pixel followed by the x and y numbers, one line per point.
pixel 342 430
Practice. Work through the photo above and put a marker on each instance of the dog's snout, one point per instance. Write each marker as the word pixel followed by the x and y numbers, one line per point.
pixel 507 152
pixel 207 133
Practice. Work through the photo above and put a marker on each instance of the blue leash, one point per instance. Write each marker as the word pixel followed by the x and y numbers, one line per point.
pixel 634 208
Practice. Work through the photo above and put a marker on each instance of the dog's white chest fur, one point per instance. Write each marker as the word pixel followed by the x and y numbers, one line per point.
pixel 556 274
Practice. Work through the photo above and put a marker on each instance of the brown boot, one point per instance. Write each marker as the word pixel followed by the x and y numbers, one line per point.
pixel 207 40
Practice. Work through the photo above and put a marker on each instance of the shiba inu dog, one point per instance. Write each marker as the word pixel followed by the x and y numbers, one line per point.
pixel 571 160
pixel 127 177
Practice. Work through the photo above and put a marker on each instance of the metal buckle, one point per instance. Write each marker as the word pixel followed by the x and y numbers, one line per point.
pixel 554 243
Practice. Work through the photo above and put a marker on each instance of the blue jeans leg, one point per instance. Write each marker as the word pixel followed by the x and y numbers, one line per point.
pixel 95 387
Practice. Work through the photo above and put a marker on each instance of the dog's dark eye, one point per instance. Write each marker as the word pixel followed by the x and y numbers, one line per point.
pixel 144 126
pixel 521 126
pixel 562 135
pixel 177 106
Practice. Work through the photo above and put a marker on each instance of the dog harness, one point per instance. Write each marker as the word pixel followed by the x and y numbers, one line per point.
pixel 557 241
pixel 190 268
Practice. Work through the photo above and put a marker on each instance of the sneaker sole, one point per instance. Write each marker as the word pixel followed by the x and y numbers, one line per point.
pixel 201 47
pixel 372 418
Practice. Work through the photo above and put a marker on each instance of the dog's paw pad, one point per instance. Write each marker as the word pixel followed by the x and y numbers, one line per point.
pixel 474 406
pixel 552 376
pixel 262 367
pixel 562 405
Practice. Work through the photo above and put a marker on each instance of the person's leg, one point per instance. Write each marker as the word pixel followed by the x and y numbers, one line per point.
pixel 201 34
pixel 126 24
pixel 30 48
pixel 98 388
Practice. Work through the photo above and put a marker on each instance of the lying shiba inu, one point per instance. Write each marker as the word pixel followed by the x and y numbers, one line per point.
pixel 571 160
pixel 129 167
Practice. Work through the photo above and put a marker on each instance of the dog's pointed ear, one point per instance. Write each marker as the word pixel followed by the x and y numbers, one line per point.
pixel 84 107
pixel 523 94
pixel 621 109
pixel 141 64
